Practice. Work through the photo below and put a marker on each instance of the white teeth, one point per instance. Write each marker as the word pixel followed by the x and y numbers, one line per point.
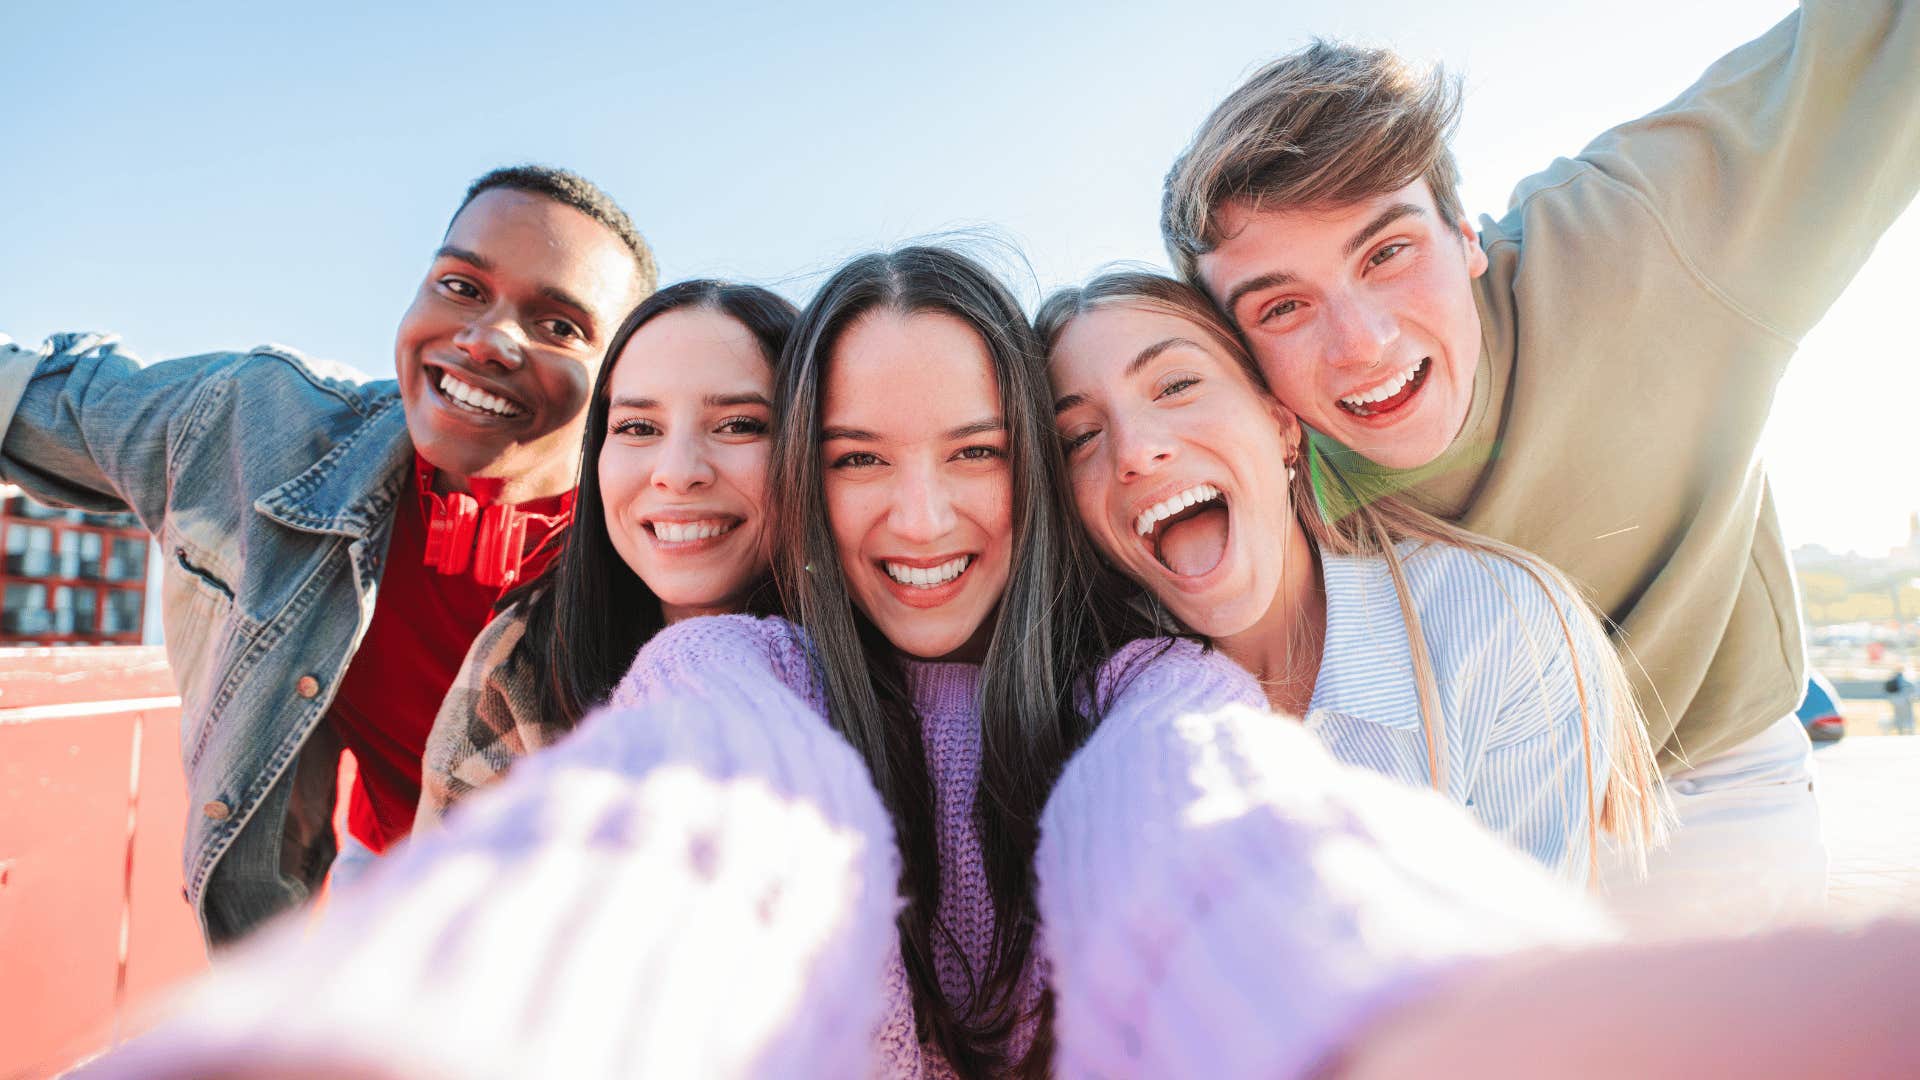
pixel 680 532
pixel 927 577
pixel 1385 390
pixel 469 394
pixel 1172 505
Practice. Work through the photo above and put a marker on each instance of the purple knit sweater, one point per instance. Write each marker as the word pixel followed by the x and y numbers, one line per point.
pixel 702 881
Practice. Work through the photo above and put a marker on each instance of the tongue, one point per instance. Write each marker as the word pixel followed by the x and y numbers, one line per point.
pixel 1192 546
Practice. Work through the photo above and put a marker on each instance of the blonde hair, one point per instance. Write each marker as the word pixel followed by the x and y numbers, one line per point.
pixel 1328 125
pixel 1633 808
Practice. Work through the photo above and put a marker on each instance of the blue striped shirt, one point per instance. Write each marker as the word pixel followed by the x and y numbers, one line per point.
pixel 1508 699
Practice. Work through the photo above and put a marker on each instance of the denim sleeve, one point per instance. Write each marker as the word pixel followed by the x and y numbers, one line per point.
pixel 83 423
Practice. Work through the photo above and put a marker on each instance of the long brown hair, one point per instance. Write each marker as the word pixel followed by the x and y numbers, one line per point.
pixel 1036 699
pixel 1632 809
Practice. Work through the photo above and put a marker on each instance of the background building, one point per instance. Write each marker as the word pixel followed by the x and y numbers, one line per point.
pixel 69 577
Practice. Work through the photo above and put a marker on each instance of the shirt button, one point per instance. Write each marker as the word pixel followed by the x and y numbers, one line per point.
pixel 216 810
pixel 307 686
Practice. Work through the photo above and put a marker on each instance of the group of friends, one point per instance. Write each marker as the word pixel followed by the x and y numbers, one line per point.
pixel 901 685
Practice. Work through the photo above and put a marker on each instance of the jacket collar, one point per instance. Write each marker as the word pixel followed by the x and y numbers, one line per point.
pixel 1366 671
pixel 351 491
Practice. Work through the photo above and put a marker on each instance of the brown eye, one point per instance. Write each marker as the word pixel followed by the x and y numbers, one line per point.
pixel 1384 254
pixel 1284 307
pixel 564 329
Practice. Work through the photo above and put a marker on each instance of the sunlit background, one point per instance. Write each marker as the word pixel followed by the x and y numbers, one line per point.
pixel 213 176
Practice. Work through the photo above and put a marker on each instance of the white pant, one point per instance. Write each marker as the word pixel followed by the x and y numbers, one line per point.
pixel 1746 852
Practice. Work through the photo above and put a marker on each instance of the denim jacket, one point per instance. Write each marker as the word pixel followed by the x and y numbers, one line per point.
pixel 270 483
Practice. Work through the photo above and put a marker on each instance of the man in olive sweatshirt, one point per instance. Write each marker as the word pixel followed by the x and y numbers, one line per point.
pixel 1588 376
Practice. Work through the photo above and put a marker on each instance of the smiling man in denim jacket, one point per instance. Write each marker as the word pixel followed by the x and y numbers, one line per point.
pixel 331 545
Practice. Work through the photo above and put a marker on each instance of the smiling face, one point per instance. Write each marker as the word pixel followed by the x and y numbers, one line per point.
pixel 684 467
pixel 918 490
pixel 498 352
pixel 1361 317
pixel 1178 463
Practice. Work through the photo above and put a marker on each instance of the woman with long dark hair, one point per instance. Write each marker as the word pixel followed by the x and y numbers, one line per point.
pixel 669 521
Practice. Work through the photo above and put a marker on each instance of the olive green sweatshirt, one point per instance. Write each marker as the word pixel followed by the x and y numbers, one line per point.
pixel 1640 305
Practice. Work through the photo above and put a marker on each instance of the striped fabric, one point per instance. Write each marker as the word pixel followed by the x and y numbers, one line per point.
pixel 1508 697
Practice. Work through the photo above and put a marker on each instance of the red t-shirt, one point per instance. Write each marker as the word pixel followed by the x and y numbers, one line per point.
pixel 423 623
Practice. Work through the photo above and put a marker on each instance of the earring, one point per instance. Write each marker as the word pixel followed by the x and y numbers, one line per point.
pixel 1290 471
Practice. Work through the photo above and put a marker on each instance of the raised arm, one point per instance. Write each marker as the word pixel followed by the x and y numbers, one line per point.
pixel 83 423
pixel 1774 174
pixel 1222 898
pixel 701 887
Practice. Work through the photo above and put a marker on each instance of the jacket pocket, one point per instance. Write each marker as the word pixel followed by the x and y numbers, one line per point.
pixel 207 577
pixel 198 611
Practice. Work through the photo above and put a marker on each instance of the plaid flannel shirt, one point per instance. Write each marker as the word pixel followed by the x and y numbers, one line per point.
pixel 495 712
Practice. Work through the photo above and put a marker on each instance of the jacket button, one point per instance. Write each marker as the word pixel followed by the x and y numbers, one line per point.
pixel 217 810
pixel 307 686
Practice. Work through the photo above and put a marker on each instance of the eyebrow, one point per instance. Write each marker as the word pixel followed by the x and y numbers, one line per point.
pixel 1264 281
pixel 743 397
pixel 551 292
pixel 977 427
pixel 1141 359
pixel 449 251
pixel 1387 217
pixel 1152 352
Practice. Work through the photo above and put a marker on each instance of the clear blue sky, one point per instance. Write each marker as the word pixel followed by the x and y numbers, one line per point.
pixel 222 174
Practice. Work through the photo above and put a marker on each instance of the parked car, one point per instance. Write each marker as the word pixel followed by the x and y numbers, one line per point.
pixel 1820 710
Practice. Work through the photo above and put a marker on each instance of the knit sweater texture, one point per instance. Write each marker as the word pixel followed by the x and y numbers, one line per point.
pixel 701 881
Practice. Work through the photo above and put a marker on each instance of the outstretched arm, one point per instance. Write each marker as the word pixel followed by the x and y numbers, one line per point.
pixel 701 887
pixel 82 423
pixel 1774 174
pixel 1807 1002
pixel 1222 898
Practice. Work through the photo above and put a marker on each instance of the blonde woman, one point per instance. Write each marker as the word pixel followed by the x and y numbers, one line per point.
pixel 1407 645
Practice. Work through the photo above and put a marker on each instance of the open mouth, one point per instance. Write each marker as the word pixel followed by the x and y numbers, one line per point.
pixel 691 532
pixel 1389 395
pixel 927 577
pixel 467 397
pixel 1187 531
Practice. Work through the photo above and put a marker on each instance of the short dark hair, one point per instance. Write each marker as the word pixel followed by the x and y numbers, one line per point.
pixel 569 188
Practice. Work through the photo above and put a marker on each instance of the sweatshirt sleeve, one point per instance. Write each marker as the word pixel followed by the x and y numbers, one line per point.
pixel 702 886
pixel 1774 174
pixel 1222 898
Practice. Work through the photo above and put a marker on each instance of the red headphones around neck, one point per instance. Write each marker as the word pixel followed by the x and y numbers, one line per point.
pixel 451 545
